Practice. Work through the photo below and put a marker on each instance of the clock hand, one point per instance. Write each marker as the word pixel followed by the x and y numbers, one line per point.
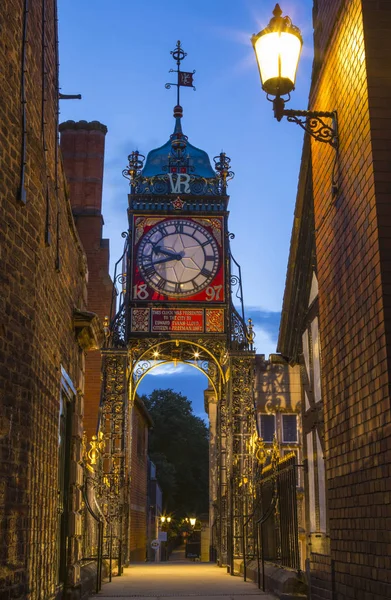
pixel 171 253
pixel 167 259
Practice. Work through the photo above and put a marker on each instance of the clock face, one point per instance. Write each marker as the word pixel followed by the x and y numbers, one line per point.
pixel 178 257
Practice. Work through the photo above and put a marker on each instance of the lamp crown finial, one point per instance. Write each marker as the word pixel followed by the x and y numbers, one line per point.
pixel 277 12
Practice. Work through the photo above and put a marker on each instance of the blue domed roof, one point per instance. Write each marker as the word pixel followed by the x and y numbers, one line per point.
pixel 178 151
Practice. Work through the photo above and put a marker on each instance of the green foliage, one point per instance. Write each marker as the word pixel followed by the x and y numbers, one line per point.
pixel 179 446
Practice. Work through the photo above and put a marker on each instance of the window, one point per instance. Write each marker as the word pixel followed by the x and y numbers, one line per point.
pixel 289 428
pixel 66 411
pixel 268 427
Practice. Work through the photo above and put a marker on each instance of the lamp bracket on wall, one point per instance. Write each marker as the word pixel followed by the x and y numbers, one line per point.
pixel 313 122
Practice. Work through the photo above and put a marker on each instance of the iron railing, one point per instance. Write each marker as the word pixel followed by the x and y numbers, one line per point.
pixel 276 522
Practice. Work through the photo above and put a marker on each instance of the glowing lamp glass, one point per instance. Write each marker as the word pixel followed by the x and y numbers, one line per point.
pixel 277 50
pixel 278 54
pixel 192 521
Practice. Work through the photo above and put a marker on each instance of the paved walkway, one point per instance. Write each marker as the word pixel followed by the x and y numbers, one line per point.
pixel 180 580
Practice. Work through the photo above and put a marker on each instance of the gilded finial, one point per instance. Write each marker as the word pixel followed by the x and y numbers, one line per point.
pixel 106 327
pixel 250 333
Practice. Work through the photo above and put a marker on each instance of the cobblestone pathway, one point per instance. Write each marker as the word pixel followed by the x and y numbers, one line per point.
pixel 179 580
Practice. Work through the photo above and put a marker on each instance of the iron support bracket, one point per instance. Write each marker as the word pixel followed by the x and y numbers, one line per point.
pixel 69 96
pixel 313 122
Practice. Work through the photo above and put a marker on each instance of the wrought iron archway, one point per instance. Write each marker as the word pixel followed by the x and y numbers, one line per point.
pixel 200 354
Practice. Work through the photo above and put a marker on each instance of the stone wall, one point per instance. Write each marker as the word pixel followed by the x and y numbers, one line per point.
pixel 43 280
pixel 353 250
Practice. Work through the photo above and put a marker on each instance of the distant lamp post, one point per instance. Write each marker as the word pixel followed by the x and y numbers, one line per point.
pixel 192 521
pixel 277 50
pixel 162 519
pixel 168 519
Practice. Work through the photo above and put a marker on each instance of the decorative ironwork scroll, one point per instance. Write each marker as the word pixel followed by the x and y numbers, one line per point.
pixel 313 123
pixel 205 354
pixel 114 427
pixel 241 429
pixel 221 505
pixel 241 337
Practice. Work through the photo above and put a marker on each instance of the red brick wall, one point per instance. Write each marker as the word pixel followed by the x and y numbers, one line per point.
pixel 138 488
pixel 41 284
pixel 325 20
pixel 82 147
pixel 353 243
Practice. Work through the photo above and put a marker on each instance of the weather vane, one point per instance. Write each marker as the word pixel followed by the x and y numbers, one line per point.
pixel 185 79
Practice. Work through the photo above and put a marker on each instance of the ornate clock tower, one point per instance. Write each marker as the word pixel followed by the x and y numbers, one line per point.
pixel 176 305
pixel 178 258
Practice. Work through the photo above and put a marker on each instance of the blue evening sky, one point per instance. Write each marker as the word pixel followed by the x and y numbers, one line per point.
pixel 117 55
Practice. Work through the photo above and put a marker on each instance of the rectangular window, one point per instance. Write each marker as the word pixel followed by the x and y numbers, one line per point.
pixel 268 427
pixel 289 428
pixel 66 409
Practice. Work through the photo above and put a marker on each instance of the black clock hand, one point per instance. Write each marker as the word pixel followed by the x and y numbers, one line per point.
pixel 171 253
pixel 167 259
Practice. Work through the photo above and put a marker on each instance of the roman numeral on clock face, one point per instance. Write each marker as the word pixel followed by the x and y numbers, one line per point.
pixel 178 227
pixel 149 270
pixel 205 272
pixel 163 230
pixel 161 283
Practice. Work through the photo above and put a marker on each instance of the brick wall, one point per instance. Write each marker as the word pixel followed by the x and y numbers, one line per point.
pixel 82 148
pixel 138 488
pixel 353 243
pixel 43 279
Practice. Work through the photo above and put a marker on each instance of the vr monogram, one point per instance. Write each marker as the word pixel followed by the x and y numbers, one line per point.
pixel 181 179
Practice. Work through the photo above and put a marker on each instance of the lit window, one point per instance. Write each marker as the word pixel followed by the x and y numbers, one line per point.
pixel 268 427
pixel 289 428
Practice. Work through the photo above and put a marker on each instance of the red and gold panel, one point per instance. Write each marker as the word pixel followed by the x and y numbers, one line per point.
pixel 214 320
pixel 176 319
pixel 178 259
pixel 140 320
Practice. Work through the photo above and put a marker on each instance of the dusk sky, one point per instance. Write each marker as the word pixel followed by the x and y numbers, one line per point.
pixel 117 55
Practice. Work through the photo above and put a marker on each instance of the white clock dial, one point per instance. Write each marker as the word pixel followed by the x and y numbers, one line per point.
pixel 178 257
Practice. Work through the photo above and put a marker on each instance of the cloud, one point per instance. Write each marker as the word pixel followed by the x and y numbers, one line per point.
pixel 171 369
pixel 266 319
pixel 231 34
pixel 266 327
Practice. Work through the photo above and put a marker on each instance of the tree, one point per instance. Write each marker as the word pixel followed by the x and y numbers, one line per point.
pixel 179 446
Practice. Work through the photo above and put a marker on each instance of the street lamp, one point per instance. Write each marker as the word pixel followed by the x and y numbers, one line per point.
pixel 277 50
pixel 192 521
